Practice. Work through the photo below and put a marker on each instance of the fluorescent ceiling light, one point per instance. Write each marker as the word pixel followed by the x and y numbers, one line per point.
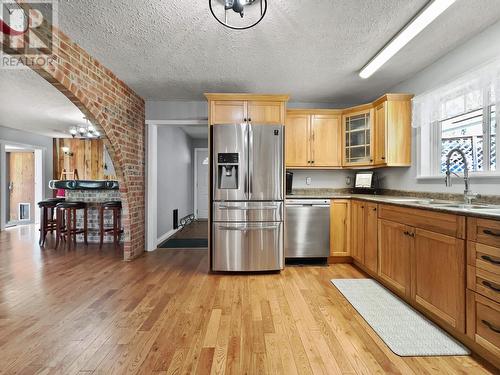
pixel 410 31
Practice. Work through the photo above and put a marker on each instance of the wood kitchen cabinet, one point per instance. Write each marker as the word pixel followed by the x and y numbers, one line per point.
pixel 395 247
pixel 313 139
pixel 422 256
pixel 364 234
pixel 439 276
pixel 340 227
pixel 358 137
pixel 358 231
pixel 370 237
pixel 392 131
pixel 246 108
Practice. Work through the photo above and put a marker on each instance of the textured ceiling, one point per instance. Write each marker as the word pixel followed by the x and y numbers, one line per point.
pixel 30 103
pixel 176 50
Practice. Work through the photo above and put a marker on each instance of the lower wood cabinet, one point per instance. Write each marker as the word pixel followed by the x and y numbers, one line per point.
pixel 340 227
pixel 358 231
pixel 483 322
pixel 439 276
pixel 371 229
pixel 364 234
pixel 395 247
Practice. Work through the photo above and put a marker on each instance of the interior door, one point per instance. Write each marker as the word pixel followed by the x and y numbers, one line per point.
pixel 265 158
pixel 21 179
pixel 202 184
pixel 297 140
pixel 326 141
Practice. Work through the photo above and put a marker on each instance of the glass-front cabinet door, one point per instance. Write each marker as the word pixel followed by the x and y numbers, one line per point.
pixel 358 135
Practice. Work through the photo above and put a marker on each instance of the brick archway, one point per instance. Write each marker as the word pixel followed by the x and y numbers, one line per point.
pixel 119 113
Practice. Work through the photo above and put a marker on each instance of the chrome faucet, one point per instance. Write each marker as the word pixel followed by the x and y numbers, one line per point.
pixel 468 194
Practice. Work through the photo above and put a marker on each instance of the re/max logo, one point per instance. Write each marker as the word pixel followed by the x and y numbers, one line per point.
pixel 26 28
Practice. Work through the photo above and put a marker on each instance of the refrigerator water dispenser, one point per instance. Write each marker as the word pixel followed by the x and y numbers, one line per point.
pixel 227 176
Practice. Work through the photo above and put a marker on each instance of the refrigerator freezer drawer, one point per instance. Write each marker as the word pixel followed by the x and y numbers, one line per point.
pixel 248 211
pixel 247 246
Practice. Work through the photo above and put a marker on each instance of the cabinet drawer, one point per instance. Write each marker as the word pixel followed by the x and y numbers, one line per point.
pixel 483 322
pixel 484 231
pixel 484 282
pixel 438 222
pixel 484 257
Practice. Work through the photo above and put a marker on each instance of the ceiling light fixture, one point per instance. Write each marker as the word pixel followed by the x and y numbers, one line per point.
pixel 410 31
pixel 245 20
pixel 84 131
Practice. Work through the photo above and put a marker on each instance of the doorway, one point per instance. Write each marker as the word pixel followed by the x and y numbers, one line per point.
pixel 201 183
pixel 20 204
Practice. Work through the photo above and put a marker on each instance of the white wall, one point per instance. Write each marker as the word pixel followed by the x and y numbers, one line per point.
pixel 175 176
pixel 475 52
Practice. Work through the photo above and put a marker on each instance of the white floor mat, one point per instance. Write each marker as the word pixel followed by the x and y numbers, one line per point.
pixel 405 331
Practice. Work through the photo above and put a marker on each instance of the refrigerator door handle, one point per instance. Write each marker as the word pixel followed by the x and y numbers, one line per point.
pixel 245 228
pixel 250 161
pixel 245 178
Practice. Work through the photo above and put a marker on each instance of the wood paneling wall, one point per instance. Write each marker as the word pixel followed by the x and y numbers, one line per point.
pixel 87 158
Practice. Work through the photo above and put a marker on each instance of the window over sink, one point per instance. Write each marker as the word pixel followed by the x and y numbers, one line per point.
pixel 461 114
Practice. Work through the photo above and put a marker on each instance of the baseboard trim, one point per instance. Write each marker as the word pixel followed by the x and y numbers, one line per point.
pixel 166 236
pixel 339 259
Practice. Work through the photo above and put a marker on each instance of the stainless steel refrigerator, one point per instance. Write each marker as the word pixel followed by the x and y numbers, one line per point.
pixel 247 201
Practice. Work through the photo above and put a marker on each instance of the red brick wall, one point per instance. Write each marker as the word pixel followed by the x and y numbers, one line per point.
pixel 119 113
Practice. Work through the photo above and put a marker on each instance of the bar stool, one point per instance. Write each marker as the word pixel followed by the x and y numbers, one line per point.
pixel 47 221
pixel 69 231
pixel 116 208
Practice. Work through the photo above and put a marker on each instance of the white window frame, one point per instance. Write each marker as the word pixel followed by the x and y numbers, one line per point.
pixel 429 146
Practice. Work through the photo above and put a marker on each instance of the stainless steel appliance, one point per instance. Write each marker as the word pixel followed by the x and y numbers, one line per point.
pixel 289 182
pixel 307 228
pixel 247 201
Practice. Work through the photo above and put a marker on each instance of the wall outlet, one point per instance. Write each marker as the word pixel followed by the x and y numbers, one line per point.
pixel 308 180
pixel 348 180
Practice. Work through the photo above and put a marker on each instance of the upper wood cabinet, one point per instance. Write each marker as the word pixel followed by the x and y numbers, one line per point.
pixel 297 140
pixel 246 108
pixel 313 139
pixel 392 131
pixel 358 137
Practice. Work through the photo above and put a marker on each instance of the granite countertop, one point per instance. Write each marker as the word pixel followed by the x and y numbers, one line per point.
pixel 433 202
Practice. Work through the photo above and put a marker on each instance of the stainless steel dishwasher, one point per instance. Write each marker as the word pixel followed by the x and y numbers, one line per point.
pixel 307 228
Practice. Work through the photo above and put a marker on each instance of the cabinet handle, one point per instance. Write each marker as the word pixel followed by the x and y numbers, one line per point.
pixel 245 120
pixel 406 233
pixel 491 286
pixel 371 160
pixel 249 119
pixel 312 161
pixel 490 326
pixel 383 158
pixel 491 233
pixel 374 209
pixel 490 259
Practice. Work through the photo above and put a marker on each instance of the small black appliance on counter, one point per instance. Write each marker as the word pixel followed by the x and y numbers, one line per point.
pixel 289 182
pixel 365 182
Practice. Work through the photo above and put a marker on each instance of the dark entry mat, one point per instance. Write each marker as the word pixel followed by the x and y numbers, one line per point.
pixel 184 242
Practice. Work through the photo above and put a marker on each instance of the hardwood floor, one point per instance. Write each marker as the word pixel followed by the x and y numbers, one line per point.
pixel 88 312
